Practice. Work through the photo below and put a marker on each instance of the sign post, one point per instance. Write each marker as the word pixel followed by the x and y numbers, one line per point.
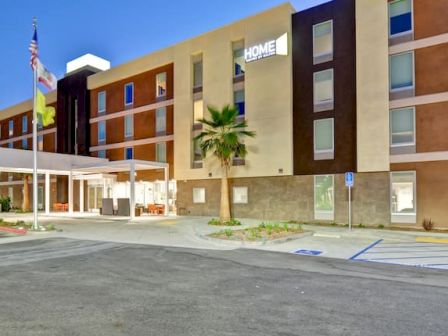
pixel 349 182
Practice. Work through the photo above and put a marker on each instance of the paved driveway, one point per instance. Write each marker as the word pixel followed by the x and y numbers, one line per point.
pixel 73 287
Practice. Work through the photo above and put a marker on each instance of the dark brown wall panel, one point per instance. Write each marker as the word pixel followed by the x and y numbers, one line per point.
pixel 431 127
pixel 430 18
pixel 431 69
pixel 342 12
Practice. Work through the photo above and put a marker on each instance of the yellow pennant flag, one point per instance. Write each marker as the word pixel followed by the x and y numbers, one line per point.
pixel 47 112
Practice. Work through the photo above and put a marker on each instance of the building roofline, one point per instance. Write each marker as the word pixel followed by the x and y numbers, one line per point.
pixel 26 106
pixel 119 73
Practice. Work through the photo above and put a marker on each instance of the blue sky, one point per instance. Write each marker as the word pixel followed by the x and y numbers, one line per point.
pixel 117 30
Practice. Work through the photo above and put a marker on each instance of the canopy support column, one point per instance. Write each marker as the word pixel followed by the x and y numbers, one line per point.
pixel 132 194
pixel 70 192
pixel 167 194
pixel 47 193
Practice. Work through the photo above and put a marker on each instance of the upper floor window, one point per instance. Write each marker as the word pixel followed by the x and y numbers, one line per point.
pixel 24 124
pixel 198 111
pixel 40 124
pixel 323 42
pixel 129 94
pixel 102 154
pixel 161 84
pixel 400 17
pixel 101 101
pixel 197 73
pixel 402 127
pixel 161 121
pixel 129 153
pixel 161 152
pixel 239 101
pixel 101 131
pixel 324 139
pixel 40 143
pixel 11 128
pixel 323 90
pixel 239 64
pixel 197 152
pixel 128 125
pixel 402 71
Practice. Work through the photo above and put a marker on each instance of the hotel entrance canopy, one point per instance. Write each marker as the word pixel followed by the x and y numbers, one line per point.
pixel 75 167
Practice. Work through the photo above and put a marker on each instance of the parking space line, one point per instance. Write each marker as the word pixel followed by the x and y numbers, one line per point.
pixel 365 250
pixel 395 251
pixel 419 257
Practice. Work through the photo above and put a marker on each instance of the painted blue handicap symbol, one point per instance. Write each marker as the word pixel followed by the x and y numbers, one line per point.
pixel 308 252
pixel 349 179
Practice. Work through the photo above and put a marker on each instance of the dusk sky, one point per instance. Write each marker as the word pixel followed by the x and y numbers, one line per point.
pixel 118 31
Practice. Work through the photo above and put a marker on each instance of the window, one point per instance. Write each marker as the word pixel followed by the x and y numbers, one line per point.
pixel 403 191
pixel 402 127
pixel 400 17
pixel 197 74
pixel 323 90
pixel 240 195
pixel 128 153
pixel 161 84
pixel 24 143
pixel 129 94
pixel 198 111
pixel 11 128
pixel 161 121
pixel 39 122
pixel 323 42
pixel 197 153
pixel 101 131
pixel 324 197
pixel 161 152
pixel 24 124
pixel 102 154
pixel 128 125
pixel 239 64
pixel 402 71
pixel 10 145
pixel 198 195
pixel 101 101
pixel 324 139
pixel 40 142
pixel 238 100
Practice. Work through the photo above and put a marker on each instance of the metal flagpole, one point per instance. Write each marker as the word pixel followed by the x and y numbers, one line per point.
pixel 35 145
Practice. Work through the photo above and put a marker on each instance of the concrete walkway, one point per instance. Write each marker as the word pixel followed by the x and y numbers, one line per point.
pixel 189 232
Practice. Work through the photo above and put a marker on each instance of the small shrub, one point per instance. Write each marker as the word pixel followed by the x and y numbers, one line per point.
pixel 286 227
pixel 428 224
pixel 20 222
pixel 333 224
pixel 262 226
pixel 1 220
pixel 233 222
pixel 50 227
pixel 381 226
pixel 361 226
pixel 277 227
pixel 5 204
pixel 253 233
pixel 228 233
pixel 214 221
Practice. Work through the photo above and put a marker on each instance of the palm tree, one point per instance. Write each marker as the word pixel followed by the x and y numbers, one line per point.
pixel 222 136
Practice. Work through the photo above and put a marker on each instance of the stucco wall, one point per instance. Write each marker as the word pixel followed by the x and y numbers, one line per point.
pixel 372 68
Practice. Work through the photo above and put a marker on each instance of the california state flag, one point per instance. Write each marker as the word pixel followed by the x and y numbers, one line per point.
pixel 45 77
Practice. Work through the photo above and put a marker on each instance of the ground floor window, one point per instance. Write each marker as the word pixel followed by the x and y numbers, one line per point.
pixel 324 197
pixel 403 197
pixel 198 195
pixel 240 195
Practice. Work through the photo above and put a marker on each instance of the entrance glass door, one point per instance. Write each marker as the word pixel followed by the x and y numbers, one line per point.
pixel 95 195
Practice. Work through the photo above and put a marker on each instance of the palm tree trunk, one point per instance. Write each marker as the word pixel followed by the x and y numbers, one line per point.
pixel 224 213
pixel 26 194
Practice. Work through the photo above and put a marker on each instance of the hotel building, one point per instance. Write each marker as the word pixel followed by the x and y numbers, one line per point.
pixel 346 86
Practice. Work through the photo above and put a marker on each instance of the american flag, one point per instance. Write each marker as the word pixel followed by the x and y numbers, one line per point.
pixel 34 49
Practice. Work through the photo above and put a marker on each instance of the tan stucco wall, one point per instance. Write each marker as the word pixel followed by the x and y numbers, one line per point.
pixel 372 75
pixel 268 85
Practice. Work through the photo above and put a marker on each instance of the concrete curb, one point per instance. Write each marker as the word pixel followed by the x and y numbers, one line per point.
pixel 237 243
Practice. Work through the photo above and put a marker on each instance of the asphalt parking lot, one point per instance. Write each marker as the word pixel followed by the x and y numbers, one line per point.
pixel 61 286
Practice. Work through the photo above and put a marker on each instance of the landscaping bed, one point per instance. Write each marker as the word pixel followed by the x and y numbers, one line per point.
pixel 262 232
pixel 21 227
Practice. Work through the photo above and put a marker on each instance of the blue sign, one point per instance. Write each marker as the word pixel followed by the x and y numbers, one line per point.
pixel 349 179
pixel 308 252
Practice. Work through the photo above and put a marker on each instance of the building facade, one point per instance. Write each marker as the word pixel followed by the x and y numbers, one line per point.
pixel 347 86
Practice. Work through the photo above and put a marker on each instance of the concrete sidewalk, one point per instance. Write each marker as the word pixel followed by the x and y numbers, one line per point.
pixel 189 232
